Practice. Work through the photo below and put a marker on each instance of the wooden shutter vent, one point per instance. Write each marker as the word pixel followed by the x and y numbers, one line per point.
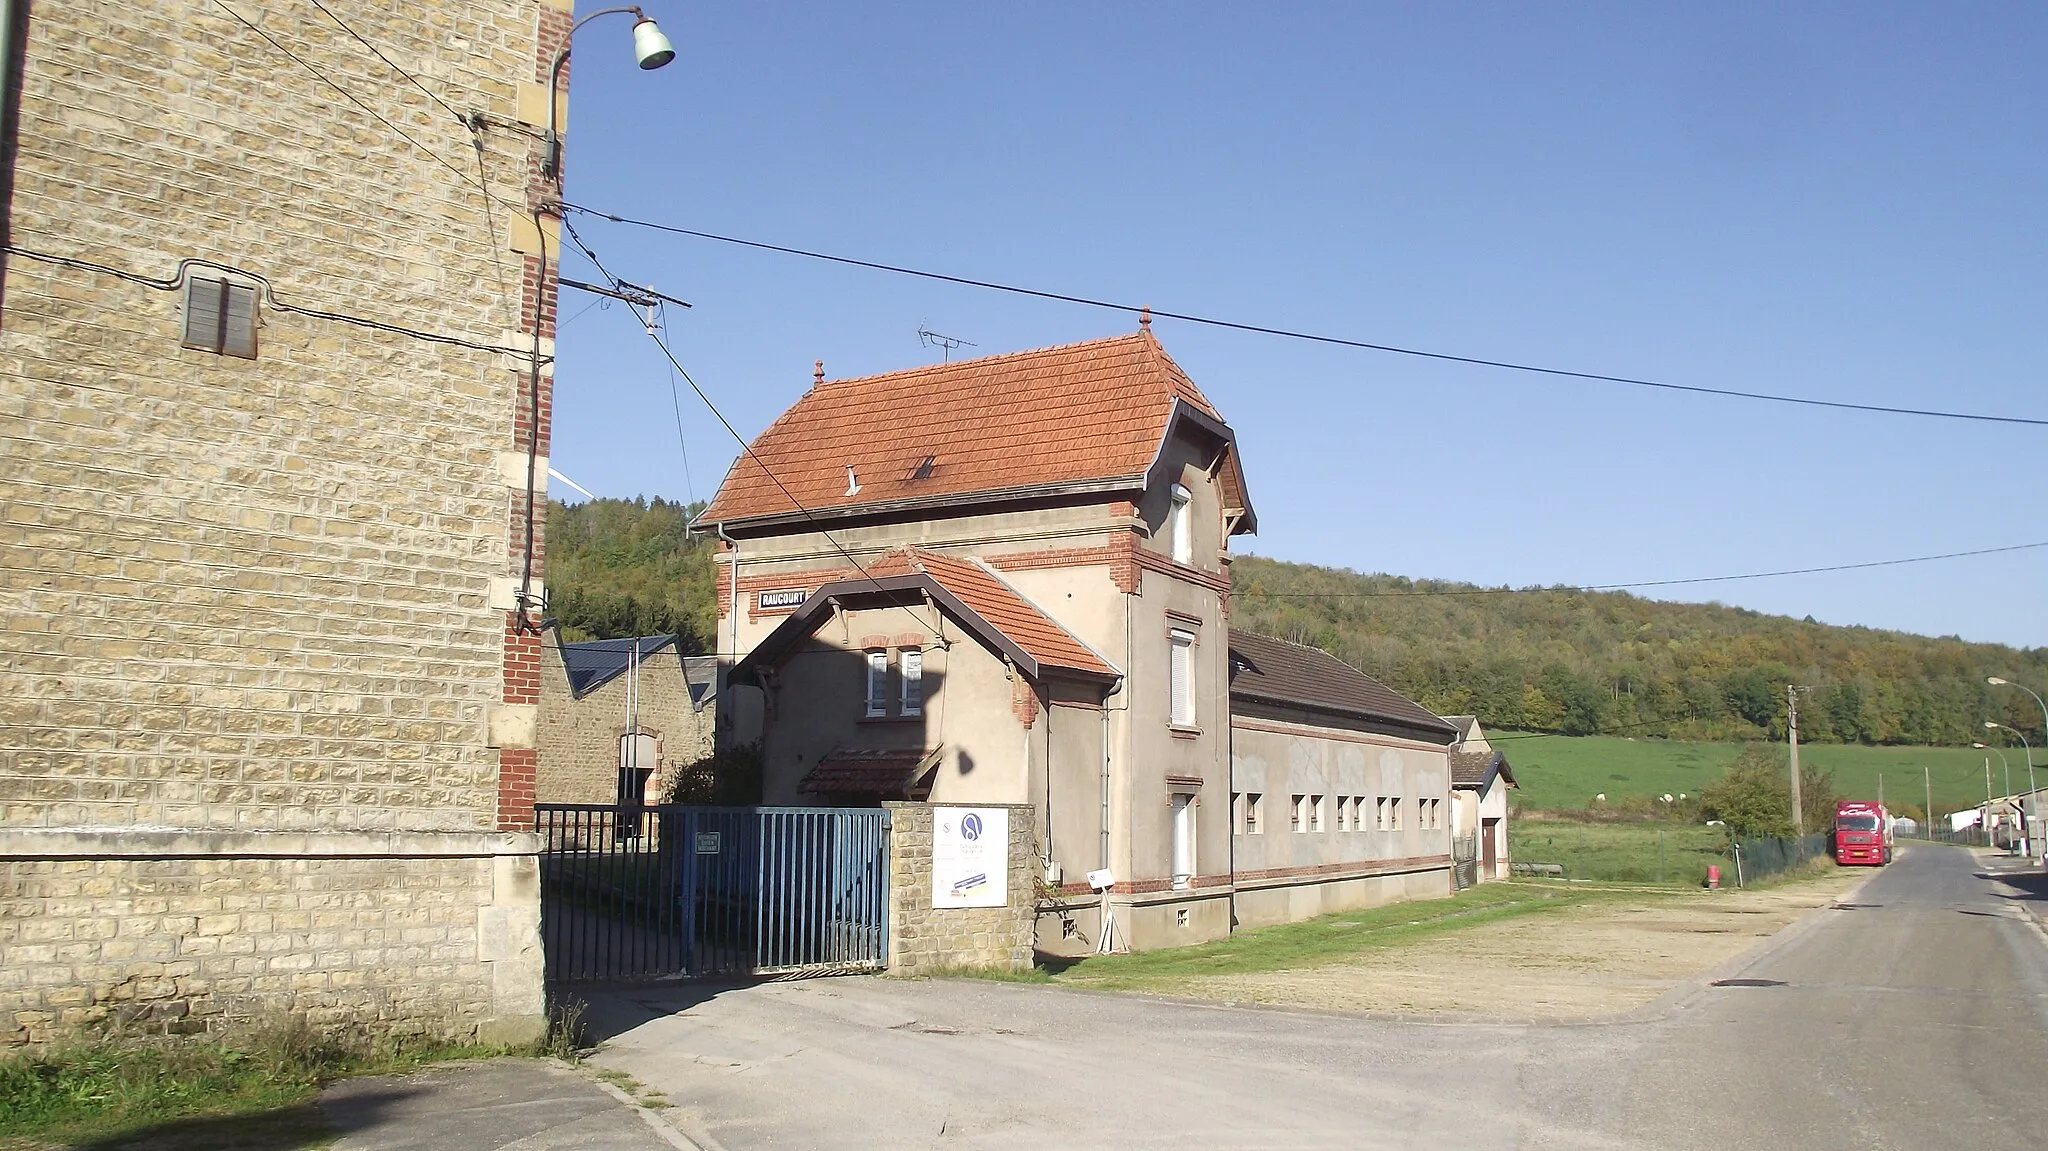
pixel 220 317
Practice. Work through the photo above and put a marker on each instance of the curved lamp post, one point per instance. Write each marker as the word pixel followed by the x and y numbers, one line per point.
pixel 650 48
pixel 2027 827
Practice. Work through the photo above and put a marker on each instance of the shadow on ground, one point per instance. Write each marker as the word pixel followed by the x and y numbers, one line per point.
pixel 2028 886
pixel 294 1128
pixel 607 1010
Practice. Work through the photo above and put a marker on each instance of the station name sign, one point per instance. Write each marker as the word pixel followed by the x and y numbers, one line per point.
pixel 784 597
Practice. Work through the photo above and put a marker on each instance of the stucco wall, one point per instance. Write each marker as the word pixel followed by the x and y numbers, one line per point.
pixel 268 595
pixel 924 939
pixel 819 703
pixel 1285 872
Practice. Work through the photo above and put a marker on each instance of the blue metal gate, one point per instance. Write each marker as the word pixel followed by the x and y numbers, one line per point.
pixel 675 892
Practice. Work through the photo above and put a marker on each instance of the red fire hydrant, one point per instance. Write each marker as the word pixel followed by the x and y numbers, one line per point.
pixel 1713 876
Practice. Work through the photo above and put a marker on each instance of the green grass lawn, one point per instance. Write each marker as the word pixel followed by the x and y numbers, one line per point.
pixel 255 1092
pixel 1330 939
pixel 1567 771
pixel 1674 854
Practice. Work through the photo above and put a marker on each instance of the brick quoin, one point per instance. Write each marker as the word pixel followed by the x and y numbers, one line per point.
pixel 540 290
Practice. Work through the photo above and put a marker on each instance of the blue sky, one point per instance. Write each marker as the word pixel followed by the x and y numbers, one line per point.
pixel 1837 201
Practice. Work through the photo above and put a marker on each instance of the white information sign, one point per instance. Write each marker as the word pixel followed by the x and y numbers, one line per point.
pixel 970 857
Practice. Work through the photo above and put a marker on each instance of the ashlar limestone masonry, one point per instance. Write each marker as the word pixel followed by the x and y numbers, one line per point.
pixel 259 748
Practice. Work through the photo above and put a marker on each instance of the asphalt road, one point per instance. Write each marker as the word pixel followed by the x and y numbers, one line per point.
pixel 1912 1015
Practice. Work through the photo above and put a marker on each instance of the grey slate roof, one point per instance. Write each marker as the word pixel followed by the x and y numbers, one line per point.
pixel 1294 675
pixel 593 663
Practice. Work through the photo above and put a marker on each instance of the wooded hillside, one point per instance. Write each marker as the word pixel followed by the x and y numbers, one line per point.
pixel 1585 663
pixel 1553 660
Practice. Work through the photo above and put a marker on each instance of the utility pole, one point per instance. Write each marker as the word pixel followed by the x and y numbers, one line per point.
pixel 1792 730
pixel 1927 777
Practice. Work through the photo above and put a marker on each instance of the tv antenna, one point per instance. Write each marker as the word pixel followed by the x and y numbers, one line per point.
pixel 931 339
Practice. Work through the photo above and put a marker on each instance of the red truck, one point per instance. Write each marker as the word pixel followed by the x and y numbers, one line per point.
pixel 1863 834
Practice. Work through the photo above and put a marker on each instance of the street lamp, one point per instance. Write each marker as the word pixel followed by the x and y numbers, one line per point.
pixel 1987 784
pixel 650 47
pixel 2027 829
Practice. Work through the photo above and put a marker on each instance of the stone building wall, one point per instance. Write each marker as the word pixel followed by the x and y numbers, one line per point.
pixel 271 598
pixel 579 738
pixel 183 931
pixel 924 939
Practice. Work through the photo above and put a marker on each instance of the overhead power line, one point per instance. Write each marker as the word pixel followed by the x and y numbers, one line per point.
pixel 324 78
pixel 377 52
pixel 270 297
pixel 745 448
pixel 1649 583
pixel 1311 337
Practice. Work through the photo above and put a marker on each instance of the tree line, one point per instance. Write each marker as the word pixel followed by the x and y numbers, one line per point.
pixel 1590 663
pixel 1537 659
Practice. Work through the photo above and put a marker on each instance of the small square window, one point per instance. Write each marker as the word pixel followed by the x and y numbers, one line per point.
pixel 220 317
pixel 1315 813
pixel 1298 813
pixel 1394 814
pixel 1254 802
pixel 1380 814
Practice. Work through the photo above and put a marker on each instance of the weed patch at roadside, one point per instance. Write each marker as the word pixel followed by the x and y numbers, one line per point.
pixel 253 1091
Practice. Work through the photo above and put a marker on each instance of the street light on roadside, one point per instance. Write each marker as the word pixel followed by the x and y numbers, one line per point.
pixel 2026 813
pixel 1987 785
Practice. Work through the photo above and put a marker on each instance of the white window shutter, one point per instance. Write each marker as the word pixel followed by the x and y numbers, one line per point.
pixel 1182 704
pixel 878 683
pixel 912 666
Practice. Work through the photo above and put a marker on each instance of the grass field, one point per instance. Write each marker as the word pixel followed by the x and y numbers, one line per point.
pixel 1677 854
pixel 1567 771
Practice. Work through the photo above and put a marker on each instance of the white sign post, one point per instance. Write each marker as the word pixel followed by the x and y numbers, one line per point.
pixel 970 857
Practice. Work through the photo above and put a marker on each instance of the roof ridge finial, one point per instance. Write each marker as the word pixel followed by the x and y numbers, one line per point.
pixel 1145 318
pixel 817 373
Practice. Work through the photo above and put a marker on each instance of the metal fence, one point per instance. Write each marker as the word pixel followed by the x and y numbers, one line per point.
pixel 1465 861
pixel 671 892
pixel 1762 858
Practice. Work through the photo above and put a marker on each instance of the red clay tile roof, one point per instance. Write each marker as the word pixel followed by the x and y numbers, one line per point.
pixel 1001 618
pixel 1081 412
pixel 882 773
pixel 1009 612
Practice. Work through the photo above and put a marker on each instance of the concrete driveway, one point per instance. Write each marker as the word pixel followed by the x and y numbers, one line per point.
pixel 1912 1017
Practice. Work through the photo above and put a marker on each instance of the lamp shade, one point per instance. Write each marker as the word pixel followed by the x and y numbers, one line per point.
pixel 650 46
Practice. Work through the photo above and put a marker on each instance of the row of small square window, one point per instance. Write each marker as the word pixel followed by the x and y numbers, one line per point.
pixel 1306 813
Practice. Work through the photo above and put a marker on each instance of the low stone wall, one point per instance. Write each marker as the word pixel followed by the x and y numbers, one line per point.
pixel 192 931
pixel 923 938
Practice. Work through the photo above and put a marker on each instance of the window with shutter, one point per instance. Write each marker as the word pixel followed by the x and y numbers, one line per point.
pixel 912 667
pixel 1181 540
pixel 1181 711
pixel 220 317
pixel 878 684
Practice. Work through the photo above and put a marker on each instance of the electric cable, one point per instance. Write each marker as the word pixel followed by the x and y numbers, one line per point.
pixel 409 77
pixel 270 297
pixel 1311 337
pixel 346 94
pixel 1568 588
pixel 745 447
